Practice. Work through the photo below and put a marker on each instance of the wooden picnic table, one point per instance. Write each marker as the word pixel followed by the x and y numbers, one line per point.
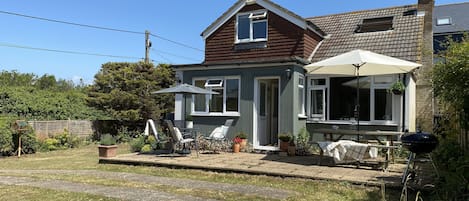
pixel 336 134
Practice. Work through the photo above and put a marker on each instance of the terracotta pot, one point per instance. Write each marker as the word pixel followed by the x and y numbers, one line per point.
pixel 284 146
pixel 107 151
pixel 243 143
pixel 236 148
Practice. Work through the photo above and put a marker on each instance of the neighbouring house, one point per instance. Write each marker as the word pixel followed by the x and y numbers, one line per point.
pixel 255 55
pixel 451 21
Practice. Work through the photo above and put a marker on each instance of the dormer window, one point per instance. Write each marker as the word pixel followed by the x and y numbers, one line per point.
pixel 443 21
pixel 375 24
pixel 251 27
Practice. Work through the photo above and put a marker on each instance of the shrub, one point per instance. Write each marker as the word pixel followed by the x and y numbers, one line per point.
pixel 146 149
pixel 242 135
pixel 107 140
pixel 6 142
pixel 284 137
pixel 9 138
pixel 137 144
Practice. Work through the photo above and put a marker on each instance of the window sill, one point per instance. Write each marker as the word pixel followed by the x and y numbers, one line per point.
pixel 302 116
pixel 247 45
pixel 232 114
pixel 364 123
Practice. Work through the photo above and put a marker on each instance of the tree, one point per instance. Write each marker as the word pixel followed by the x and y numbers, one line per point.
pixel 451 86
pixel 123 90
pixel 451 74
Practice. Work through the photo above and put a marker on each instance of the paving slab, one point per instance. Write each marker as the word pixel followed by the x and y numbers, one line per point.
pixel 269 164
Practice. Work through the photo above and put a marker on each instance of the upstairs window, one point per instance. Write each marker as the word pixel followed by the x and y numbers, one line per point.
pixel 443 21
pixel 375 24
pixel 251 27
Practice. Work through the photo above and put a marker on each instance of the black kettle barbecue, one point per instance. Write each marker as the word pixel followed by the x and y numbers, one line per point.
pixel 419 142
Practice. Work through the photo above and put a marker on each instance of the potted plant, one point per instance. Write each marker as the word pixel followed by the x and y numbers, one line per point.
pixel 244 140
pixel 291 150
pixel 107 146
pixel 236 144
pixel 189 121
pixel 397 88
pixel 284 141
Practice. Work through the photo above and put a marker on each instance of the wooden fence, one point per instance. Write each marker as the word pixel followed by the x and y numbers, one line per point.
pixel 81 128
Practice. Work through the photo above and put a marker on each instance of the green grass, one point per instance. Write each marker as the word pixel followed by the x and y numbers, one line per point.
pixel 39 194
pixel 86 158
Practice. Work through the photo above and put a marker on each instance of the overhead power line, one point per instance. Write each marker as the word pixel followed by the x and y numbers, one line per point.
pixel 100 27
pixel 71 23
pixel 178 43
pixel 66 51
pixel 175 55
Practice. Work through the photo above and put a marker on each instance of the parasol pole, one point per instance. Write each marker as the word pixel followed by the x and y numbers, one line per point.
pixel 357 106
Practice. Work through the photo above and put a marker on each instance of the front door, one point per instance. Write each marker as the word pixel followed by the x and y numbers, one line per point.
pixel 266 114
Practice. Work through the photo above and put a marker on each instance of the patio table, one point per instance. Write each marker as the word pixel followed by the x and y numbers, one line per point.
pixel 389 135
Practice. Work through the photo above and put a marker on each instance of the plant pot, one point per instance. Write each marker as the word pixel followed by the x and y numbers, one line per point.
pixel 291 150
pixel 396 92
pixel 243 144
pixel 189 124
pixel 107 151
pixel 236 148
pixel 284 146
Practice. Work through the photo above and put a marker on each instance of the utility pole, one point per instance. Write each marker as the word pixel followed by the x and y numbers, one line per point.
pixel 147 47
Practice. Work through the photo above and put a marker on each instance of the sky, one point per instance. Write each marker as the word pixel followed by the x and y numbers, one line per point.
pixel 177 25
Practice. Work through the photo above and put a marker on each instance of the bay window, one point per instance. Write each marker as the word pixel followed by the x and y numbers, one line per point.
pixel 335 99
pixel 226 102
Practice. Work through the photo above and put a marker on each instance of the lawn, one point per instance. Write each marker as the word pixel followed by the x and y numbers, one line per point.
pixel 85 158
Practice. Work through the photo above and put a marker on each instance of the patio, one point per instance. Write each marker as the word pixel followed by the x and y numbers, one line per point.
pixel 268 164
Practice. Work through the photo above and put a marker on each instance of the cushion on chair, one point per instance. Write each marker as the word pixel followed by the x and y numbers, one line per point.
pixel 178 134
pixel 217 133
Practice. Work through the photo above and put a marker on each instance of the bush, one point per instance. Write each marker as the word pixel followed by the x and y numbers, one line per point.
pixel 242 135
pixel 9 138
pixel 146 149
pixel 284 137
pixel 137 144
pixel 107 140
pixel 60 142
pixel 6 142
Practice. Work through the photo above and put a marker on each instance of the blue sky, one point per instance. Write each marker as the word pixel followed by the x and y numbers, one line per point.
pixel 178 20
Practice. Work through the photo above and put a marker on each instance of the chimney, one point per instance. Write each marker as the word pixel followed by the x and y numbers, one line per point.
pixel 426 105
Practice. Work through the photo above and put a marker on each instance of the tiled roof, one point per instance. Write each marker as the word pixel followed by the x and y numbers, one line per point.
pixel 459 17
pixel 403 42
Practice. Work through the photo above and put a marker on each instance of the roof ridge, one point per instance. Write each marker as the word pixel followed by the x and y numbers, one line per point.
pixel 451 4
pixel 360 11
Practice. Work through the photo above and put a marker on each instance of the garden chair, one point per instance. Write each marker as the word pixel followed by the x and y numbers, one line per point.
pixel 178 137
pixel 218 135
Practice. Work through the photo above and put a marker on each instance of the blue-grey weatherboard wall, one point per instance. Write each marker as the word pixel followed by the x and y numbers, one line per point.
pixel 289 122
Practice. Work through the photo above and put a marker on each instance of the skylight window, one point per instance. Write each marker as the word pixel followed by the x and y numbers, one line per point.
pixel 375 24
pixel 443 21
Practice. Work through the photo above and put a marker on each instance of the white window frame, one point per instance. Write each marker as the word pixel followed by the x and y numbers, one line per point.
pixel 302 112
pixel 208 97
pixel 253 18
pixel 385 86
pixel 323 88
pixel 322 118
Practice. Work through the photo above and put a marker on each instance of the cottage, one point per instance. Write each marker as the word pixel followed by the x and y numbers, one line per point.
pixel 255 56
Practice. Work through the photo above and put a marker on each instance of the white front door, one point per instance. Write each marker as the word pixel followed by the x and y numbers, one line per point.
pixel 266 113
